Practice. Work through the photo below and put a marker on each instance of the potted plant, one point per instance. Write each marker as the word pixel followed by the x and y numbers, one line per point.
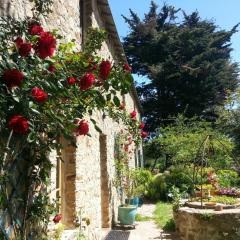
pixel 126 211
pixel 128 181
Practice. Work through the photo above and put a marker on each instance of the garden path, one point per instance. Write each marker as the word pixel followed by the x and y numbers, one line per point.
pixel 146 230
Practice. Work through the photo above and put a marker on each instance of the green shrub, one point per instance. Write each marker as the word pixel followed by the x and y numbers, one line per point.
pixel 180 177
pixel 161 184
pixel 228 178
pixel 170 225
pixel 157 188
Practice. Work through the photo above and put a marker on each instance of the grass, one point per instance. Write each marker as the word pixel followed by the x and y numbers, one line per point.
pixel 163 216
pixel 141 218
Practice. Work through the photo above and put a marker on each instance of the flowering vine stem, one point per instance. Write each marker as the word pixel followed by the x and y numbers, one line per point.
pixel 7 149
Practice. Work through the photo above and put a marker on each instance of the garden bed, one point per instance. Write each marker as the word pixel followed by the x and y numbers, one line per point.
pixel 197 205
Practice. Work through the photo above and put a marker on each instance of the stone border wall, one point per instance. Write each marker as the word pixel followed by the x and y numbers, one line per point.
pixel 205 224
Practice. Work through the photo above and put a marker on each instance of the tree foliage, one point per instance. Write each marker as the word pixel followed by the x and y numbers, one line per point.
pixel 186 59
pixel 183 142
pixel 229 119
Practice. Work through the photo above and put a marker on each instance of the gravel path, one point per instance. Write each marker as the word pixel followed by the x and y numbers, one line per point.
pixel 143 231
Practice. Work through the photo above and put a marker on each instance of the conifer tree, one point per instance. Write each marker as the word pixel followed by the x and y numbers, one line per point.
pixel 187 60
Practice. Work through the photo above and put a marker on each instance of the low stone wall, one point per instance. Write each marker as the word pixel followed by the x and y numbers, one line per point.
pixel 207 224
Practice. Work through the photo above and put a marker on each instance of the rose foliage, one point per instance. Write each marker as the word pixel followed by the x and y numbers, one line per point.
pixel 48 90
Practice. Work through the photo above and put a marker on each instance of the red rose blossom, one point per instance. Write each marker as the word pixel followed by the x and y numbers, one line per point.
pixel 86 81
pixel 57 218
pixel 144 134
pixel 127 68
pixel 36 30
pixel 51 68
pixel 46 45
pixel 12 78
pixel 142 125
pixel 133 114
pixel 18 41
pixel 104 70
pixel 39 95
pixel 71 80
pixel 18 124
pixel 83 128
pixel 25 49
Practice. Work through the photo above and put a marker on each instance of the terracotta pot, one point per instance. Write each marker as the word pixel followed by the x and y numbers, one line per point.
pixel 210 203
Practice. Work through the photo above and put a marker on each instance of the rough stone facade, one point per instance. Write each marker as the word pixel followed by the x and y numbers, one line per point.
pixel 202 224
pixel 84 180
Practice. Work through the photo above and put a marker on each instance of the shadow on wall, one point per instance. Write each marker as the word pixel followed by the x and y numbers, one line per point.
pixel 15 8
pixel 5 8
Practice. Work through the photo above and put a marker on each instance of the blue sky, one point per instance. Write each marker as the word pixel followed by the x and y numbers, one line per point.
pixel 226 14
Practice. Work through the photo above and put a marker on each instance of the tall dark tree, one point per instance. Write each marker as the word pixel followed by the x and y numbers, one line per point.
pixel 187 62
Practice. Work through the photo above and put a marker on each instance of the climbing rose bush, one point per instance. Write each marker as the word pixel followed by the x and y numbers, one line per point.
pixel 48 90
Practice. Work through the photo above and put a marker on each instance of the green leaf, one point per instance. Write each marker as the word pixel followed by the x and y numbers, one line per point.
pixel 31 137
pixel 109 96
pixel 93 121
pixel 98 129
pixel 35 111
pixel 116 101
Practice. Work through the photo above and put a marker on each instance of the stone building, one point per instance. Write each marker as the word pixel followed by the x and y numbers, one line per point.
pixel 84 180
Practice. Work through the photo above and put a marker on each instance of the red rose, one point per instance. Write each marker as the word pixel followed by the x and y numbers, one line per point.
pixel 86 81
pixel 144 134
pixel 18 124
pixel 142 125
pixel 39 95
pixel 36 30
pixel 122 106
pixel 133 114
pixel 46 45
pixel 18 41
pixel 57 218
pixel 52 68
pixel 127 68
pixel 71 80
pixel 104 70
pixel 12 77
pixel 25 49
pixel 83 128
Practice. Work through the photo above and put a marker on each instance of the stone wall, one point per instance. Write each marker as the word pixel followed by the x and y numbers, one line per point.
pixel 202 224
pixel 77 180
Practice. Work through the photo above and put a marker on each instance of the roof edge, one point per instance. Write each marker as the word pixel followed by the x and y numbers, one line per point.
pixel 113 34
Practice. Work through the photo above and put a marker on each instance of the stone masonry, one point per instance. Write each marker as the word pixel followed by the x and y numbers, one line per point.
pixel 84 180
pixel 207 224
